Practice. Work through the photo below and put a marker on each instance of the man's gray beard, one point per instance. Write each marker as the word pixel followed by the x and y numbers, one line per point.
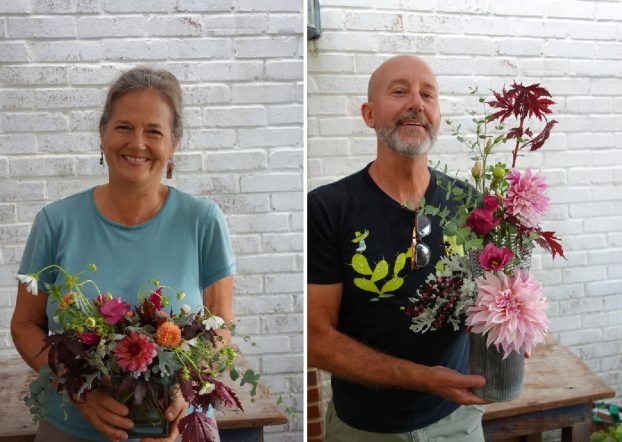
pixel 390 137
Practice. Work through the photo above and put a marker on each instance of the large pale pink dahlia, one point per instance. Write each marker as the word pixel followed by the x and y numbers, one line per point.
pixel 526 197
pixel 511 309
pixel 134 352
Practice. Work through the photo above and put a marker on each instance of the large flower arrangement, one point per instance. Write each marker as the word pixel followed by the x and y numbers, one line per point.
pixel 484 274
pixel 141 347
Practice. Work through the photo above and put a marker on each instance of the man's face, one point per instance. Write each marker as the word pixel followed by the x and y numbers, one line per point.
pixel 403 106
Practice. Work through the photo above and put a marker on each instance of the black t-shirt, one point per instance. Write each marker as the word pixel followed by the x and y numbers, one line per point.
pixel 359 236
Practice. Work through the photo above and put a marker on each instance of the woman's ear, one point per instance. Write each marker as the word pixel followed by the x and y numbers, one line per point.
pixel 367 113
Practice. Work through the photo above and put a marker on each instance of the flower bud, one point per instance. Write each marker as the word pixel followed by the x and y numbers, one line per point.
pixel 185 309
pixel 477 170
pixel 488 147
pixel 498 172
pixel 181 295
pixel 92 267
pixel 90 322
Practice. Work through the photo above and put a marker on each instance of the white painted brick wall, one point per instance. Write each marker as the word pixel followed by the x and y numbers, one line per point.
pixel 574 49
pixel 241 67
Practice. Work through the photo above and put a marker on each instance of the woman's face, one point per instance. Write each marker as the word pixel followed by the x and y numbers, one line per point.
pixel 138 140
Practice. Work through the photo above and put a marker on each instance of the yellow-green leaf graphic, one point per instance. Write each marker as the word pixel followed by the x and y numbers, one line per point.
pixel 360 264
pixel 400 262
pixel 381 271
pixel 366 284
pixel 392 284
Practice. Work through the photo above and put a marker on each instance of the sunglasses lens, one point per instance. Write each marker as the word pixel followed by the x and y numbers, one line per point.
pixel 423 255
pixel 424 226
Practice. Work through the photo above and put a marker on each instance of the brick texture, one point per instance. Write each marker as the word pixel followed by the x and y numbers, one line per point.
pixel 314 406
pixel 573 48
pixel 241 67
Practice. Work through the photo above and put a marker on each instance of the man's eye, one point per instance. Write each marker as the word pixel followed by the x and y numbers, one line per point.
pixel 399 92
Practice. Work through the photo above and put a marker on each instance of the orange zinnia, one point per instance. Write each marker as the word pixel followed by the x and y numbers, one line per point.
pixel 168 335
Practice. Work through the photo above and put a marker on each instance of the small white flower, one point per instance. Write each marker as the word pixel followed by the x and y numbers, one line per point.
pixel 31 283
pixel 185 309
pixel 56 319
pixel 186 344
pixel 206 388
pixel 213 322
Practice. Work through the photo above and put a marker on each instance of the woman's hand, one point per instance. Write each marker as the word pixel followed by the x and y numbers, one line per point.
pixel 175 411
pixel 105 414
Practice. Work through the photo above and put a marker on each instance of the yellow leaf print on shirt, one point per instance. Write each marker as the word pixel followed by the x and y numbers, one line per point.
pixel 372 278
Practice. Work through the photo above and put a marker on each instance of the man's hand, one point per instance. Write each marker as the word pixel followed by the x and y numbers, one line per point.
pixel 105 414
pixel 175 411
pixel 454 386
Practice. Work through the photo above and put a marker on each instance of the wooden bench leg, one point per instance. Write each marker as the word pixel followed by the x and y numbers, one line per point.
pixel 577 433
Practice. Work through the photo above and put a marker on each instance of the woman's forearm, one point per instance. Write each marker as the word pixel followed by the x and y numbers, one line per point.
pixel 28 339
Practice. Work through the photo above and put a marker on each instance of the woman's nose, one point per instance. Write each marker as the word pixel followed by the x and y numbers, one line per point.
pixel 137 138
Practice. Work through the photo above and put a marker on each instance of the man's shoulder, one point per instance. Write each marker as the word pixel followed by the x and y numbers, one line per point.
pixel 340 188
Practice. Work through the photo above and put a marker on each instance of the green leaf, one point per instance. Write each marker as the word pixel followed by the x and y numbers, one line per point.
pixel 360 264
pixel 392 284
pixel 380 271
pixel 251 378
pixel 366 284
pixel 233 374
pixel 400 262
pixel 433 211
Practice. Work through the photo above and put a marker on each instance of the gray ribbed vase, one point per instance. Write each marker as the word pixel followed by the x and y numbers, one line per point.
pixel 504 377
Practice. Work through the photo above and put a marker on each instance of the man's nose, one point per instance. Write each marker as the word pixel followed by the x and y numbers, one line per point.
pixel 415 103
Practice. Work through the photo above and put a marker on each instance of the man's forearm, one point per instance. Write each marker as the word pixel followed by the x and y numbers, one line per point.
pixel 347 358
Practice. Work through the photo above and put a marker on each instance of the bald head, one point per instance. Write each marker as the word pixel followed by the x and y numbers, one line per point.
pixel 390 65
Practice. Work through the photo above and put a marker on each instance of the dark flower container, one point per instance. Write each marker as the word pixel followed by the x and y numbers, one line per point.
pixel 148 413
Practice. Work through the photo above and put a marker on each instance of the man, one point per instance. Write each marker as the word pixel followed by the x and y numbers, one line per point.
pixel 389 384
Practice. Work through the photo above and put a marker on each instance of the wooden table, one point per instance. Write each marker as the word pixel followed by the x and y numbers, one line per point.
pixel 16 424
pixel 558 393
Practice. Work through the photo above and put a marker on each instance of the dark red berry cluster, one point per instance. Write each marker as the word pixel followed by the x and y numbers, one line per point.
pixel 443 292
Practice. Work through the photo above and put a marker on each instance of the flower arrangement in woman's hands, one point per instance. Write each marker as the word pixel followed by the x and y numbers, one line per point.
pixel 139 346
pixel 488 241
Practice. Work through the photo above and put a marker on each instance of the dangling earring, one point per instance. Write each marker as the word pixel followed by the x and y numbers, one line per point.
pixel 170 166
pixel 101 158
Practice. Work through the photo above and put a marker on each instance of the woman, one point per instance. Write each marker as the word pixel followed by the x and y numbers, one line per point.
pixel 135 229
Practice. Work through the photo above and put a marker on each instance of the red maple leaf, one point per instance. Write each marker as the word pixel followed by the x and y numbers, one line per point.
pixel 537 142
pixel 550 242
pixel 197 426
pixel 522 102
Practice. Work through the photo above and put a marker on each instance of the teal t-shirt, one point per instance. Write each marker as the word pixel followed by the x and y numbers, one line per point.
pixel 186 245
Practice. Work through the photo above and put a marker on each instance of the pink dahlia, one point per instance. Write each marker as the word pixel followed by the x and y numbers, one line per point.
pixel 511 309
pixel 134 352
pixel 494 259
pixel 526 198
pixel 113 310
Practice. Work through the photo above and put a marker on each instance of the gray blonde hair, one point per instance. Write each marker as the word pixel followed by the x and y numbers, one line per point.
pixel 142 77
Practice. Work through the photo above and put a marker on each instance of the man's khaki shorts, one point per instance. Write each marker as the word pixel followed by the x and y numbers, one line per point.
pixel 463 425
